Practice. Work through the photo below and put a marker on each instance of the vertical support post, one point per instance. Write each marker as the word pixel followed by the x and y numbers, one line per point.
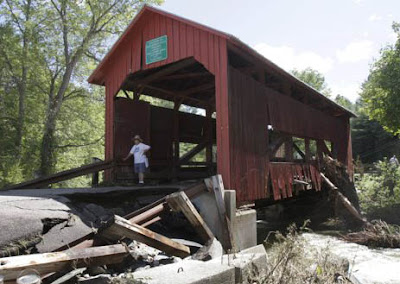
pixel 320 150
pixel 334 150
pixel 109 137
pixel 307 149
pixel 289 149
pixel 175 160
pixel 95 175
pixel 222 109
pixel 209 136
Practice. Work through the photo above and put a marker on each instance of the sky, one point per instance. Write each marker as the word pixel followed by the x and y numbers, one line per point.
pixel 339 38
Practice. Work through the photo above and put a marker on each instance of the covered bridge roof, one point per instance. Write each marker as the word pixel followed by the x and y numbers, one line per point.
pixel 235 45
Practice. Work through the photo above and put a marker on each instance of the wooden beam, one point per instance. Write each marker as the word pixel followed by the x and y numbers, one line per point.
pixel 324 148
pixel 167 70
pixel 197 149
pixel 122 228
pixel 197 89
pixel 273 147
pixel 175 161
pixel 141 216
pixel 185 76
pixel 180 202
pixel 209 135
pixel 298 150
pixel 218 188
pixel 175 95
pixel 126 94
pixel 64 175
pixel 307 149
pixel 154 209
pixel 289 149
pixel 44 263
pixel 343 199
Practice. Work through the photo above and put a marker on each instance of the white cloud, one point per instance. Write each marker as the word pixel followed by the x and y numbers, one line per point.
pixel 288 58
pixel 350 91
pixel 356 51
pixel 358 2
pixel 374 18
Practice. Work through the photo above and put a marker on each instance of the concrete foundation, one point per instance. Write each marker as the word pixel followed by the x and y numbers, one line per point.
pixel 243 221
pixel 244 267
pixel 245 229
pixel 188 271
pixel 248 267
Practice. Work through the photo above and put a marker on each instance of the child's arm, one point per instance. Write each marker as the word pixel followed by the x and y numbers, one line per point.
pixel 146 148
pixel 127 156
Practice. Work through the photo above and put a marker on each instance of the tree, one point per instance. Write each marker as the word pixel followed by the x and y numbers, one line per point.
pixel 16 48
pixel 80 26
pixel 50 119
pixel 381 91
pixel 70 35
pixel 346 103
pixel 314 79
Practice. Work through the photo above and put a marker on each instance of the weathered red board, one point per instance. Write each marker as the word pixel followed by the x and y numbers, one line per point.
pixel 244 106
pixel 185 39
pixel 155 126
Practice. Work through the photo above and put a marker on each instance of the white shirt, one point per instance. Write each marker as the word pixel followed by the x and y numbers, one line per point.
pixel 138 153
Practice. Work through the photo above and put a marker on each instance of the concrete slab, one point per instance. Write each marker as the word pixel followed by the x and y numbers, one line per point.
pixel 22 217
pixel 188 272
pixel 206 205
pixel 245 229
pixel 247 265
pixel 254 250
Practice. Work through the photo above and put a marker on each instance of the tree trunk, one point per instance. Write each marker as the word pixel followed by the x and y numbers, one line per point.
pixel 22 82
pixel 47 155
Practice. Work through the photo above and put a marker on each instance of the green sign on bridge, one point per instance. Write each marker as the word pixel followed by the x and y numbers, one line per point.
pixel 156 49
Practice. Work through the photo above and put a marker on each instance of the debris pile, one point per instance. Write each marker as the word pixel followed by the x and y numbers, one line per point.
pixel 376 234
pixel 125 244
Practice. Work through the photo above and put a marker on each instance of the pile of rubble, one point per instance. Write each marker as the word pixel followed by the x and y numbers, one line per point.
pixel 123 248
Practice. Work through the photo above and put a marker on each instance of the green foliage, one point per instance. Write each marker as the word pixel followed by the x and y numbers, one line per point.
pixel 381 188
pixel 370 141
pixel 314 79
pixel 47 51
pixel 381 92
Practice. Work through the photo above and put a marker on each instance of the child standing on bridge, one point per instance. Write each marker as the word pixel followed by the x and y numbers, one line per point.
pixel 140 160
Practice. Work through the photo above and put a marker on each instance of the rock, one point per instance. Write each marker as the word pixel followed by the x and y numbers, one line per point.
pixel 212 249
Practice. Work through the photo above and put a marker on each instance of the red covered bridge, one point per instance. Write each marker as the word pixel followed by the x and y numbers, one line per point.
pixel 262 129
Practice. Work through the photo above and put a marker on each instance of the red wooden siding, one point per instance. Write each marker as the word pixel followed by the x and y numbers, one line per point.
pixel 244 107
pixel 252 107
pixel 183 41
pixel 282 175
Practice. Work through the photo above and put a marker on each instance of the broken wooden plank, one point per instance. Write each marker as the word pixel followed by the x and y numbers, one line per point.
pixel 179 201
pixel 154 209
pixel 141 216
pixel 218 188
pixel 122 228
pixel 346 203
pixel 11 267
pixel 61 176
